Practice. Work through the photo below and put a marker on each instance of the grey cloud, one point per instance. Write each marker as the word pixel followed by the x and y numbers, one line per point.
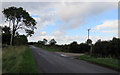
pixel 79 12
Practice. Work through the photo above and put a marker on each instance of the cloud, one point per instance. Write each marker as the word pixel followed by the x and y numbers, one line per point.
pixel 40 37
pixel 74 15
pixel 60 1
pixel 1 25
pixel 110 26
pixel 113 31
pixel 43 33
pixel 58 33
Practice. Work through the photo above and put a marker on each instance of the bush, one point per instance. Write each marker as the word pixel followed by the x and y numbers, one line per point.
pixel 107 48
pixel 20 40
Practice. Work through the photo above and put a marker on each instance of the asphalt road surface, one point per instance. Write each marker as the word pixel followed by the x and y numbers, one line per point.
pixel 52 62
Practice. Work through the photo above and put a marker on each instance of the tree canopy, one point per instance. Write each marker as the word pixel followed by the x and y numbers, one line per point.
pixel 19 18
pixel 52 42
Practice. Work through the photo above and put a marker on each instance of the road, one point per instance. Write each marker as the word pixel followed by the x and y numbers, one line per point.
pixel 52 62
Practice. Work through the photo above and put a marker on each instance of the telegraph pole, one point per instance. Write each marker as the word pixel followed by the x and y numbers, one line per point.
pixel 88 32
pixel 91 43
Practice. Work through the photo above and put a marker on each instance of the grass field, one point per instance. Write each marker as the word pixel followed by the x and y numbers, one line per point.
pixel 18 59
pixel 107 62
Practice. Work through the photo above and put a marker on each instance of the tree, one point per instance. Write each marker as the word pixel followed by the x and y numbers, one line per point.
pixel 74 47
pixel 107 48
pixel 40 42
pixel 19 19
pixel 52 42
pixel 20 40
pixel 45 41
pixel 115 47
pixel 89 42
pixel 83 47
pixel 5 35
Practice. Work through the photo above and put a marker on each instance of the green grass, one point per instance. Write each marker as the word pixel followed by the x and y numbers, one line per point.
pixel 107 62
pixel 18 59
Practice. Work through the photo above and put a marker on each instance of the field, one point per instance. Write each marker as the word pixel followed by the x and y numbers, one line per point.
pixel 18 59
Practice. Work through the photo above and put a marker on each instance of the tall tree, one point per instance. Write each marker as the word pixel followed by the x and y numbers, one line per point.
pixel 19 19
pixel 52 42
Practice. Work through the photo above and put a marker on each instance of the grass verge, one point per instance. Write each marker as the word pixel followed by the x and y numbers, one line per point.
pixel 107 62
pixel 18 59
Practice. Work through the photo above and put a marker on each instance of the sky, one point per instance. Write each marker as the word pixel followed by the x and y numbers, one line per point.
pixel 68 21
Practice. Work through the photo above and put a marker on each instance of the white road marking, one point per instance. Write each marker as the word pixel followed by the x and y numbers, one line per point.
pixel 63 55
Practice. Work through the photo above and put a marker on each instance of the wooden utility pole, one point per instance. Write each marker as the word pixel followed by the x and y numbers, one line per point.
pixel 88 32
pixel 91 43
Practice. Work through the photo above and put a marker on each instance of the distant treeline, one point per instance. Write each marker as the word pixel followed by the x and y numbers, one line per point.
pixel 109 48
